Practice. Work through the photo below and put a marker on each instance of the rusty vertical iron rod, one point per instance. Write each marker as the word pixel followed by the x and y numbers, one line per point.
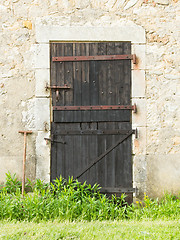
pixel 24 159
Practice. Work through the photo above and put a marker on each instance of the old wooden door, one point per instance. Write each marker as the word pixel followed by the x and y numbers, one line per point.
pixel 91 99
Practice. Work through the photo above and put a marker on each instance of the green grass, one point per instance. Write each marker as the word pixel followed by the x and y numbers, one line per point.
pixel 157 229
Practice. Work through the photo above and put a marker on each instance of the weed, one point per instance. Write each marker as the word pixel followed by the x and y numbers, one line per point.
pixel 72 200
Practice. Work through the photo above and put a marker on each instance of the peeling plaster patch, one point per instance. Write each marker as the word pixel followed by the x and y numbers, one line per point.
pixel 28 117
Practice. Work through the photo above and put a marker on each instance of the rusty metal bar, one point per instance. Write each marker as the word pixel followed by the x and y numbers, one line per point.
pixel 117 190
pixel 51 140
pixel 94 58
pixel 57 87
pixel 105 153
pixel 93 132
pixel 98 107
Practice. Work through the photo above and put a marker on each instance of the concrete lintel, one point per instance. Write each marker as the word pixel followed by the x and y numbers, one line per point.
pixel 122 32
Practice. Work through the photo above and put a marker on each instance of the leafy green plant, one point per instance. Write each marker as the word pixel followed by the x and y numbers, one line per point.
pixel 12 183
pixel 72 200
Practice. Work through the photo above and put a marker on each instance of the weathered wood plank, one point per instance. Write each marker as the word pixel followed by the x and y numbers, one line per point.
pixel 77 81
pixel 85 93
pixel 93 79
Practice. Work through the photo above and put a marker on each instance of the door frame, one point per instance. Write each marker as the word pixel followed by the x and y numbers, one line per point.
pixel 121 31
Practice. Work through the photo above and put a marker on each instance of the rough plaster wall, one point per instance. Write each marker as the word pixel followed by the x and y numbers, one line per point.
pixel 156 164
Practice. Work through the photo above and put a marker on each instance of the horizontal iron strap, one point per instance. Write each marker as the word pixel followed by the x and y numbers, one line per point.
pixel 51 140
pixel 94 58
pixel 58 87
pixel 105 153
pixel 117 190
pixel 99 107
pixel 95 132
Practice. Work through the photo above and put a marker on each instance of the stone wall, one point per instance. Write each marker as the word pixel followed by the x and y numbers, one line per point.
pixel 25 104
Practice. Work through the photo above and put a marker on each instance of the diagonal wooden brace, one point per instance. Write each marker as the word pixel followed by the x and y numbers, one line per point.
pixel 105 153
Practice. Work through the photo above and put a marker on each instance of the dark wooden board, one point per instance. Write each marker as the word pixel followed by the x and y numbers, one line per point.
pixel 92 116
pixel 92 83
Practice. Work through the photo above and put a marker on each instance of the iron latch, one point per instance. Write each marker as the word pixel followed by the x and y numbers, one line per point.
pixel 51 140
pixel 57 89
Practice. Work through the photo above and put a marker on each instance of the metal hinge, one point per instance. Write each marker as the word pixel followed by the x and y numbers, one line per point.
pixel 135 132
pixel 51 140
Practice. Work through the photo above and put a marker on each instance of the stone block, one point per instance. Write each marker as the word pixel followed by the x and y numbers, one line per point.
pixel 154 57
pixel 139 143
pixel 139 118
pixel 125 31
pixel 140 51
pixel 138 83
pixel 140 174
pixel 42 79
pixel 41 56
pixel 42 157
pixel 42 114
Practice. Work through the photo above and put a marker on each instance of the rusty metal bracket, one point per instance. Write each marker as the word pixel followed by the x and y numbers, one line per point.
pixel 98 107
pixel 134 58
pixel 95 58
pixel 57 89
pixel 64 87
pixel 51 140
